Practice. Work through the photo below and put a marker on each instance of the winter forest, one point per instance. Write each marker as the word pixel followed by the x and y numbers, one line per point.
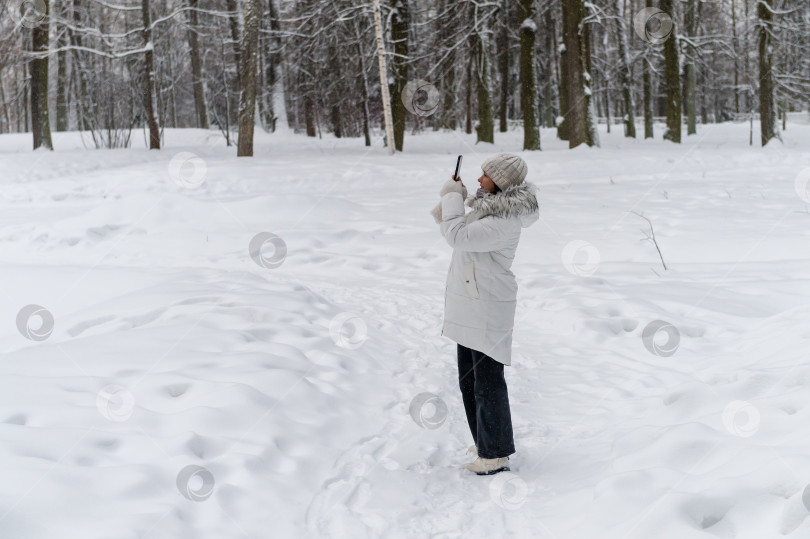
pixel 242 296
pixel 234 64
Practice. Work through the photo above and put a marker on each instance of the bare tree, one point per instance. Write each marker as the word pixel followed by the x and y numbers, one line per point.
pixel 447 63
pixel 647 88
pixel 528 78
pixel 691 26
pixel 40 38
pixel 149 77
pixel 576 113
pixel 196 66
pixel 62 106
pixel 247 78
pixel 502 45
pixel 386 101
pixel 672 75
pixel 400 26
pixel 767 105
pixel 485 128
pixel 625 75
pixel 174 64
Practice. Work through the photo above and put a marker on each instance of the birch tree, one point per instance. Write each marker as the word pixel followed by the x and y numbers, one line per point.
pixel 386 101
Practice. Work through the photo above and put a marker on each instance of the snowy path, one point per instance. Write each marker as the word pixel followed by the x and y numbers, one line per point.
pixel 300 419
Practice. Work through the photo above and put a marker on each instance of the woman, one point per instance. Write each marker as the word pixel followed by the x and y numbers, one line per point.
pixel 480 297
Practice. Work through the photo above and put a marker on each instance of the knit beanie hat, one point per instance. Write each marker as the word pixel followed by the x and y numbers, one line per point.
pixel 506 170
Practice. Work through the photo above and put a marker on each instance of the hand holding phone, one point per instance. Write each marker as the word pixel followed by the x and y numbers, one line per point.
pixel 458 167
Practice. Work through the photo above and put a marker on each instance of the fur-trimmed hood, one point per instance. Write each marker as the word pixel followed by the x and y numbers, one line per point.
pixel 518 200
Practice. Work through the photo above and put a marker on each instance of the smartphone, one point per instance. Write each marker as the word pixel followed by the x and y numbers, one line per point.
pixel 458 167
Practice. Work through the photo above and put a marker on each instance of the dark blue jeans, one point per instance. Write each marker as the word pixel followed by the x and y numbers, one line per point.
pixel 486 402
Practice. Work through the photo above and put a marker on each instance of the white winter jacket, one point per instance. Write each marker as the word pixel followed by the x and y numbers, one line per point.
pixel 481 291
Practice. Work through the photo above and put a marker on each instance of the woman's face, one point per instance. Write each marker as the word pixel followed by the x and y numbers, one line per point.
pixel 487 183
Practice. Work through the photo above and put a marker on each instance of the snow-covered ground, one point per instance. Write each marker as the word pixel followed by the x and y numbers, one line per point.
pixel 192 387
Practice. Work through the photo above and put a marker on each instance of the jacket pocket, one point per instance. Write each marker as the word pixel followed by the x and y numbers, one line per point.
pixel 469 279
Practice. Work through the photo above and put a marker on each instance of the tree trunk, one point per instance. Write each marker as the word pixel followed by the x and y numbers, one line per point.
pixel 400 25
pixel 40 122
pixel 575 115
pixel 196 67
pixel 704 113
pixel 337 93
pixel 503 64
pixel 551 63
pixel 170 69
pixel 233 21
pixel 562 129
pixel 447 68
pixel 734 46
pixel 273 77
pixel 486 126
pixel 364 102
pixel 247 79
pixel 26 91
pixel 337 121
pixel 607 105
pixel 62 105
pixel 386 101
pixel 6 117
pixel 672 76
pixel 149 78
pixel 591 132
pixel 767 106
pixel 747 66
pixel 625 74
pixel 691 24
pixel 309 116
pixel 78 70
pixel 528 77
pixel 468 94
pixel 363 82
pixel 236 40
pixel 449 120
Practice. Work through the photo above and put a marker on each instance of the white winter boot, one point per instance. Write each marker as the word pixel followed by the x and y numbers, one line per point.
pixel 482 466
pixel 473 449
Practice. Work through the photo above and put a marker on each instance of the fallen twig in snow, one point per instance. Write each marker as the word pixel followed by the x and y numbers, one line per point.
pixel 651 237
